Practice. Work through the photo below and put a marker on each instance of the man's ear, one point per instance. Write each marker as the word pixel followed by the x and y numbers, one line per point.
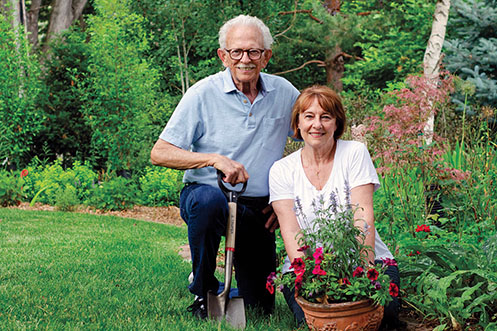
pixel 223 56
pixel 267 56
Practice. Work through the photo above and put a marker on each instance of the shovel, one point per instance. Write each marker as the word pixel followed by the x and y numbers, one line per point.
pixel 221 306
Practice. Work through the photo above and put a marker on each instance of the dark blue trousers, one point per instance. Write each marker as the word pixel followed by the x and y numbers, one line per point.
pixel 205 210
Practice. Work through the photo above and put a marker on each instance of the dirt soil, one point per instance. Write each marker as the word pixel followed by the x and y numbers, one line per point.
pixel 170 215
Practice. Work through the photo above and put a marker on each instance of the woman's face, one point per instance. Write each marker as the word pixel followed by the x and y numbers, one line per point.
pixel 317 127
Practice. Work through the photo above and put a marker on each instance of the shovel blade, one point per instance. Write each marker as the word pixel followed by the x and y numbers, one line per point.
pixel 235 313
pixel 216 306
pixel 220 307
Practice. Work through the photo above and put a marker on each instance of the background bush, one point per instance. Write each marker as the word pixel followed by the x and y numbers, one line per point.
pixel 161 186
pixel 10 188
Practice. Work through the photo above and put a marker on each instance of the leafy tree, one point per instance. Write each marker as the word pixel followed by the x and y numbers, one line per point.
pixel 20 120
pixel 119 90
pixel 65 131
pixel 471 48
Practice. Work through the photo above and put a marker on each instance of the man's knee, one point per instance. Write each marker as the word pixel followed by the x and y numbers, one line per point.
pixel 205 203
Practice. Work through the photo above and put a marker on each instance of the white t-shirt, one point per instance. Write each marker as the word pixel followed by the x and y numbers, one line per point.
pixel 352 165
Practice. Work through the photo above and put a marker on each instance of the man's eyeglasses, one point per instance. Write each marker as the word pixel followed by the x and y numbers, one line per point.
pixel 237 53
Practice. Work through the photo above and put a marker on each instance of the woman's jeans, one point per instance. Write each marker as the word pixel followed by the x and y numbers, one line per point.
pixel 205 210
pixel 391 312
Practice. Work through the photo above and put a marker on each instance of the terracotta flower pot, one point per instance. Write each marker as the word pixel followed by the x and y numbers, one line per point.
pixel 358 315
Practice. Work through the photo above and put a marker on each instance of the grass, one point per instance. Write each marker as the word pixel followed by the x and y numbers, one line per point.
pixel 70 271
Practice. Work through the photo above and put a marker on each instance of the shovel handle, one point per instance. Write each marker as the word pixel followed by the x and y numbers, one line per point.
pixel 232 195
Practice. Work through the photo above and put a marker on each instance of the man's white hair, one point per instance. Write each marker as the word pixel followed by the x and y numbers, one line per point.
pixel 246 20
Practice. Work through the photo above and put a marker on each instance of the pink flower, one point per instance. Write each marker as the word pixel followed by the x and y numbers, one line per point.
pixel 372 274
pixel 394 290
pixel 389 262
pixel 318 255
pixel 318 271
pixel 24 173
pixel 358 272
pixel 298 266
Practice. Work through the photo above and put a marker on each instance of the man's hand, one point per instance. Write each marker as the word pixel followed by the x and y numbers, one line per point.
pixel 234 172
pixel 272 222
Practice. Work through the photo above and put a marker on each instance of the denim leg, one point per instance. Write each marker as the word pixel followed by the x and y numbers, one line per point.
pixel 298 313
pixel 255 257
pixel 204 209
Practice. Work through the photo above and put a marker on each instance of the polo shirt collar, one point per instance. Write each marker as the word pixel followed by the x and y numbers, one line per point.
pixel 229 86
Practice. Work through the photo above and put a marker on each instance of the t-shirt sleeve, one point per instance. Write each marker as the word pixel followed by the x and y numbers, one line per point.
pixel 280 182
pixel 185 125
pixel 362 170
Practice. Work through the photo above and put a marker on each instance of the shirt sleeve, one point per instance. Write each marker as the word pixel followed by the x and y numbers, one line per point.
pixel 362 170
pixel 185 125
pixel 280 182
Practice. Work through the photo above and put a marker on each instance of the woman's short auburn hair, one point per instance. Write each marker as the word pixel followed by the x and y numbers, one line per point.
pixel 327 99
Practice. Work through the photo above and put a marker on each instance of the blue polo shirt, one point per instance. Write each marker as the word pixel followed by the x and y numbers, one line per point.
pixel 215 117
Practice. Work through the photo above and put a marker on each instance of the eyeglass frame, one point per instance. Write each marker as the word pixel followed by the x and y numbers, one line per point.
pixel 262 50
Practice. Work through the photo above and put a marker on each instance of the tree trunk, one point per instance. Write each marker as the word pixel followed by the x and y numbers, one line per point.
pixel 432 58
pixel 32 22
pixel 64 13
pixel 16 10
pixel 335 68
pixel 332 6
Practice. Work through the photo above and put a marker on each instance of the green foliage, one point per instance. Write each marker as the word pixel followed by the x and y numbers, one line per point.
pixel 160 186
pixel 46 182
pixel 453 283
pixel 67 198
pixel 10 188
pixel 120 89
pixel 65 131
pixel 116 194
pixel 20 120
pixel 471 48
pixel 391 45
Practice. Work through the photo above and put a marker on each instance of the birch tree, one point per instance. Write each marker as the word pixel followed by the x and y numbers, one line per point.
pixel 432 58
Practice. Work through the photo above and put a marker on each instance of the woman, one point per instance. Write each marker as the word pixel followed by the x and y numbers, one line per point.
pixel 324 165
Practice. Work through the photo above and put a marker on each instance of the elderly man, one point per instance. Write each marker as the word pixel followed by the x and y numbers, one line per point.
pixel 235 121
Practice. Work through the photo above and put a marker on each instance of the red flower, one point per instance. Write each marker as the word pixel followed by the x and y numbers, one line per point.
pixel 318 271
pixel 394 290
pixel 269 287
pixel 298 266
pixel 303 248
pixel 24 173
pixel 358 272
pixel 344 281
pixel 318 255
pixel 298 282
pixel 423 228
pixel 372 274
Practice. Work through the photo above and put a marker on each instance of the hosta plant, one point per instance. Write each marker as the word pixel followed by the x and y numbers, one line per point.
pixel 334 268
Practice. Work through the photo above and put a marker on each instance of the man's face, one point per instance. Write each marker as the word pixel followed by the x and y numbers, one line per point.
pixel 244 70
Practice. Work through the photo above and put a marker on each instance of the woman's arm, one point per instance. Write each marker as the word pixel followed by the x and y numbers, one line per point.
pixel 289 226
pixel 362 197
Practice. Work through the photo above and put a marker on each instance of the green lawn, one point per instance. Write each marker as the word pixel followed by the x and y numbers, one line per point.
pixel 75 271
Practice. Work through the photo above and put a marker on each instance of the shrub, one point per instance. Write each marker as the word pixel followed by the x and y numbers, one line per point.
pixel 120 88
pixel 20 121
pixel 160 186
pixel 116 194
pixel 44 182
pixel 67 198
pixel 10 189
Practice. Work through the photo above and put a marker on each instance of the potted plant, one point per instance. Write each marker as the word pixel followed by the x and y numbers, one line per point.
pixel 335 286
